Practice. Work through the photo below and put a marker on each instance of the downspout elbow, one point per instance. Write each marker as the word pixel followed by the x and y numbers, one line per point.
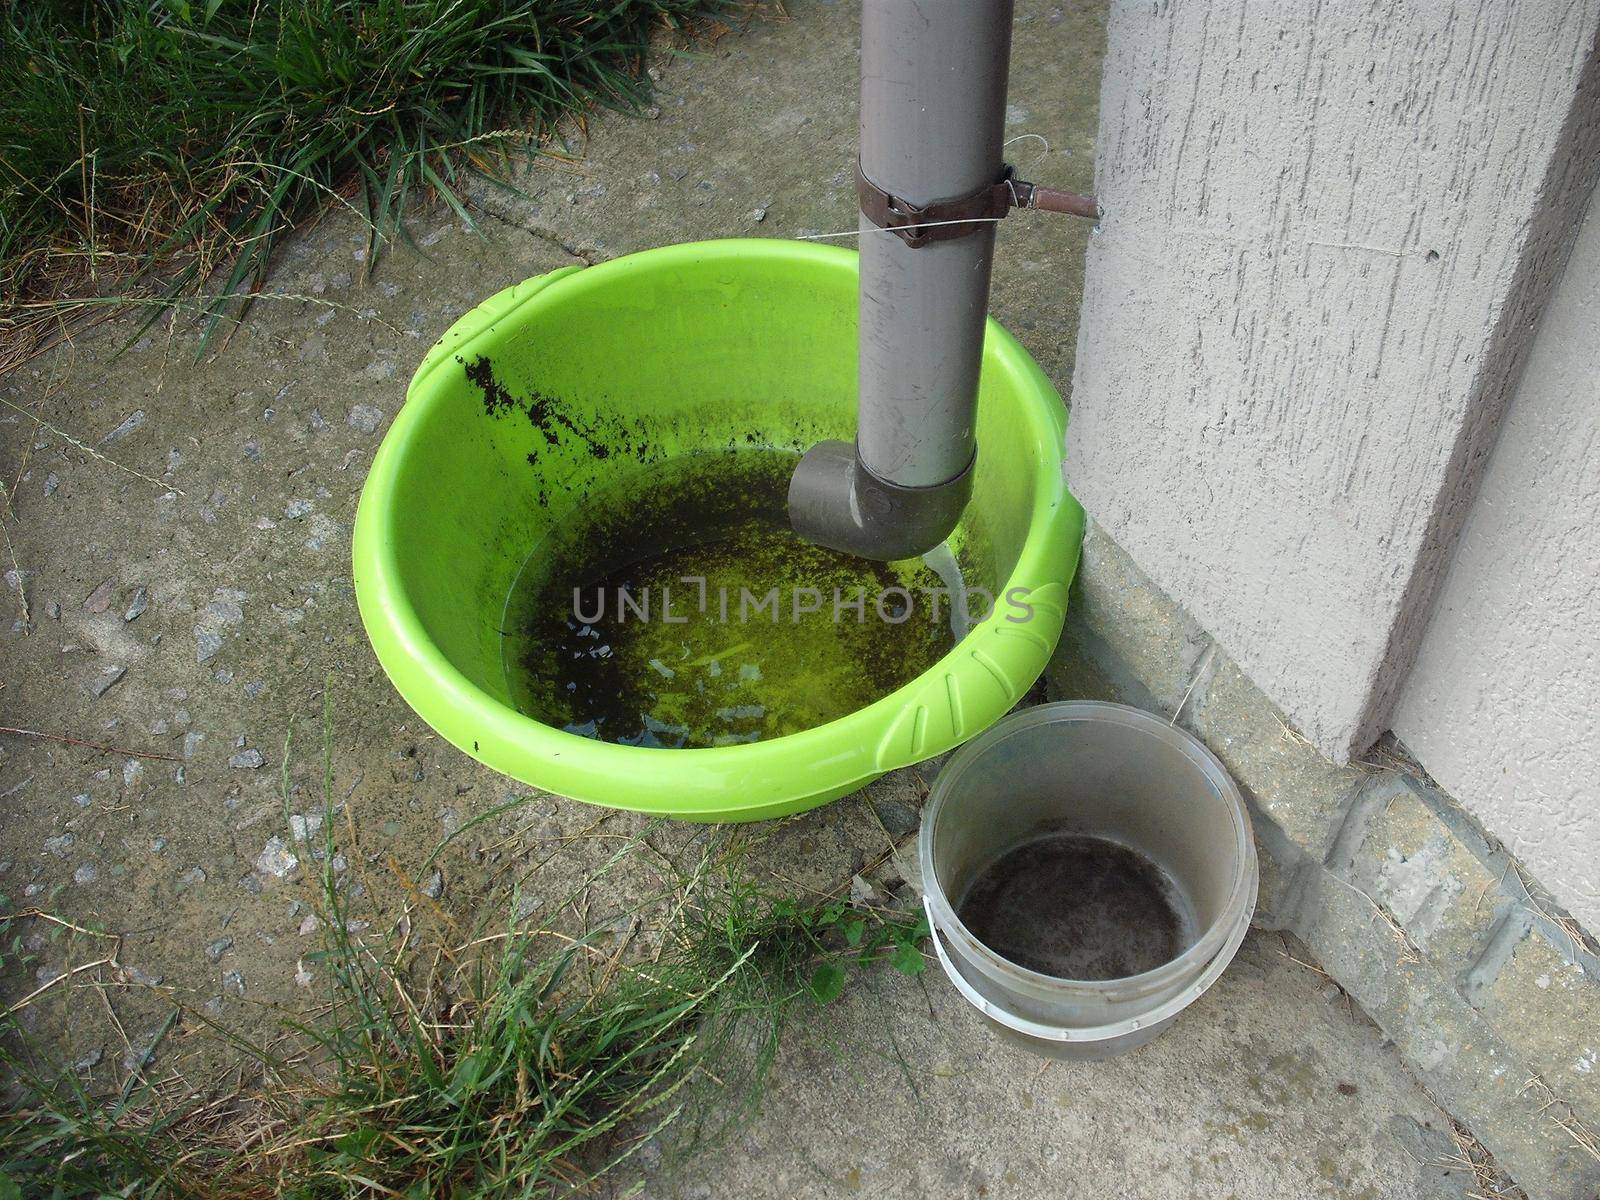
pixel 836 501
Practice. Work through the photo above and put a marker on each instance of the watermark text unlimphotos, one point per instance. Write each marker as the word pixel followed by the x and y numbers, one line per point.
pixel 741 606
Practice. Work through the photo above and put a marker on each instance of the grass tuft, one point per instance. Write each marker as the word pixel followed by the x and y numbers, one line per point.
pixel 518 1061
pixel 164 142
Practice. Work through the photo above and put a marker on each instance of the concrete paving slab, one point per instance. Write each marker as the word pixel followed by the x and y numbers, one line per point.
pixel 1271 1086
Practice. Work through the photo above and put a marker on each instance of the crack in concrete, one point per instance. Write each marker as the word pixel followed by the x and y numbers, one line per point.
pixel 588 257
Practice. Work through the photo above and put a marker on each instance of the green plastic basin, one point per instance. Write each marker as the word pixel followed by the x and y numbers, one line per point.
pixel 706 346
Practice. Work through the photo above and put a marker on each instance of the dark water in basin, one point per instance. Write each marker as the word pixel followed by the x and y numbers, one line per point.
pixel 675 639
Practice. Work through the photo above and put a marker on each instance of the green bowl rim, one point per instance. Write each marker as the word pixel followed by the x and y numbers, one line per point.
pixel 816 764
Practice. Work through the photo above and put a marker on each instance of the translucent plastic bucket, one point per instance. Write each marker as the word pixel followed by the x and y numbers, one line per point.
pixel 1103 771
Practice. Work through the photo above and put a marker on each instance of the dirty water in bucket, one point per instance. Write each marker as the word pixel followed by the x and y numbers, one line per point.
pixel 1078 907
pixel 677 609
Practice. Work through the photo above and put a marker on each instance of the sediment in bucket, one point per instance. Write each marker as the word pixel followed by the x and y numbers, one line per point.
pixel 1078 907
pixel 1136 816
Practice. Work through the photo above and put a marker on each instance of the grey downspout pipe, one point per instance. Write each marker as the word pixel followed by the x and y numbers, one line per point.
pixel 933 88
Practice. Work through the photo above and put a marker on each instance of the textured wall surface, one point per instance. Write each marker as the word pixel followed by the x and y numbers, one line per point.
pixel 1503 705
pixel 1328 229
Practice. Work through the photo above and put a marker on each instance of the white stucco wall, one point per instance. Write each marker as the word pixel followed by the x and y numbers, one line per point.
pixel 1328 228
pixel 1503 705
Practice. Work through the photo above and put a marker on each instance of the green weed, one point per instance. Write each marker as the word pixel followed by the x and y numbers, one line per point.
pixel 512 1060
pixel 164 141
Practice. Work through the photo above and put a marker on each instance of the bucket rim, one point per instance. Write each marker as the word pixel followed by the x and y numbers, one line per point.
pixel 1241 895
